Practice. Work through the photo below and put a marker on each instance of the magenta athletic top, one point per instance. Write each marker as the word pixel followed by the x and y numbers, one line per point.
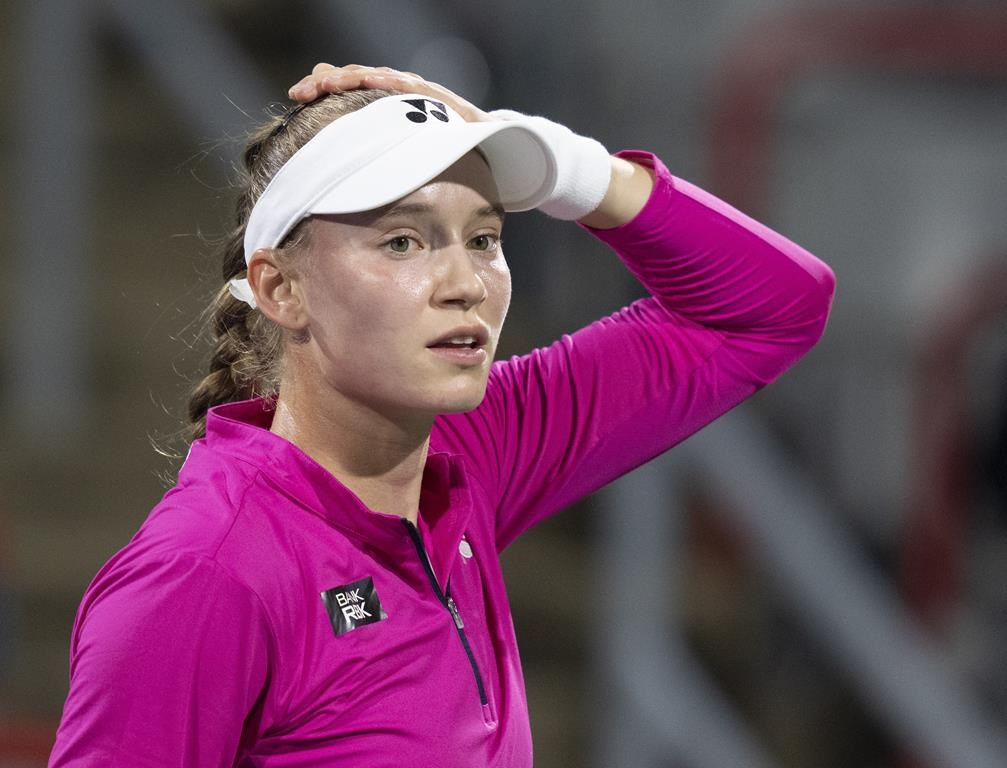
pixel 262 616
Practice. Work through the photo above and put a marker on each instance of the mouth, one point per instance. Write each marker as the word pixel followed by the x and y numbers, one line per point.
pixel 468 337
pixel 464 345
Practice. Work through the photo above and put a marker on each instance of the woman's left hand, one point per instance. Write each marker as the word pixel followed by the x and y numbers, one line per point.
pixel 326 78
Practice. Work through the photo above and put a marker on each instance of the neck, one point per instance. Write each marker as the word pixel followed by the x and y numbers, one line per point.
pixel 378 457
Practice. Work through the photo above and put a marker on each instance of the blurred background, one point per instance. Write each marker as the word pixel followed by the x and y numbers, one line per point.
pixel 820 579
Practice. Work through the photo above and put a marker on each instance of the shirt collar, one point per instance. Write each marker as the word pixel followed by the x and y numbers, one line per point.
pixel 241 430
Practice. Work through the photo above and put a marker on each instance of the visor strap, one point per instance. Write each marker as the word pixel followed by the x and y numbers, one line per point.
pixel 241 290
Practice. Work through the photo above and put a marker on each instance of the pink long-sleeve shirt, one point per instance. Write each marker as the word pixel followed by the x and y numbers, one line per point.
pixel 263 616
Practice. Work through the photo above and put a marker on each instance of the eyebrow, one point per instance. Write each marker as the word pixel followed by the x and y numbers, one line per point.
pixel 406 209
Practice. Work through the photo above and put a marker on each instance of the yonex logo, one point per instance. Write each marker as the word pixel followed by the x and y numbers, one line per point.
pixel 353 605
pixel 436 108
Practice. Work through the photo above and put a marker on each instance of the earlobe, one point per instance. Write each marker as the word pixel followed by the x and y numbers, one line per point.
pixel 277 292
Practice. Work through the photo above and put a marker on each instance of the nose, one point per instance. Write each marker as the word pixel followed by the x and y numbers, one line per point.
pixel 459 283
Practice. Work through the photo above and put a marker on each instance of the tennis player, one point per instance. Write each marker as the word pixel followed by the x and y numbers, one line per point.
pixel 322 587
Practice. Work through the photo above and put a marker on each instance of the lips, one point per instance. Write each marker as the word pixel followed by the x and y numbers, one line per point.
pixel 463 337
pixel 464 346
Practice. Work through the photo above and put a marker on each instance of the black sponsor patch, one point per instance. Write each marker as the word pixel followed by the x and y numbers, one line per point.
pixel 353 605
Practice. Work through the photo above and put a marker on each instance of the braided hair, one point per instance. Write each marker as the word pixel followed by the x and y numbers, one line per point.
pixel 247 346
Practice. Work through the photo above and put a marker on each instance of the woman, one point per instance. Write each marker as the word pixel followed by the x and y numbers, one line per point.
pixel 322 586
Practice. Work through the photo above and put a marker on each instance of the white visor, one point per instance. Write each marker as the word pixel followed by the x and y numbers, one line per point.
pixel 386 150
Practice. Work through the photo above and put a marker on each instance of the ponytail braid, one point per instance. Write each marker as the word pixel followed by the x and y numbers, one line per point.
pixel 246 350
pixel 247 347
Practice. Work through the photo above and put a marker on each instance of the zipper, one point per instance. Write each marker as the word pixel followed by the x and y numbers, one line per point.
pixel 452 607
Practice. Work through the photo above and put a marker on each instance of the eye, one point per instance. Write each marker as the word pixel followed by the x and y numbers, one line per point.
pixel 485 242
pixel 399 244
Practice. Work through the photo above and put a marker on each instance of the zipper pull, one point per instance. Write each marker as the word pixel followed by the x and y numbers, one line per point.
pixel 452 606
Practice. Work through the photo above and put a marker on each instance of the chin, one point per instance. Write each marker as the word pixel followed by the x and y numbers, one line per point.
pixel 462 401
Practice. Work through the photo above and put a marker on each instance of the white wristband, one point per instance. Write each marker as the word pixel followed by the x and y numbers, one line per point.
pixel 583 167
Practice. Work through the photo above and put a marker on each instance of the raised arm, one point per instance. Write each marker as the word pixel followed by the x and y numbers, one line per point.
pixel 733 305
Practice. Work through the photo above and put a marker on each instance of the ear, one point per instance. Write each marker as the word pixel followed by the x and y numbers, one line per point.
pixel 277 292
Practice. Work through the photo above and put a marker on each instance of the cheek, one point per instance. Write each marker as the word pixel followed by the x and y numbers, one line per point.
pixel 496 278
pixel 367 299
pixel 412 282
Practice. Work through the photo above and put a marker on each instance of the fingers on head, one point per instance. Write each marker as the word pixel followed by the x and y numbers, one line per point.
pixel 327 78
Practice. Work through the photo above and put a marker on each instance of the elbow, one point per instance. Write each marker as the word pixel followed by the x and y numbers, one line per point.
pixel 808 322
pixel 812 300
pixel 821 299
pixel 766 354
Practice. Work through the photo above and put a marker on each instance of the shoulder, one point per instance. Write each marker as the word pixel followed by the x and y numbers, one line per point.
pixel 192 533
pixel 186 560
pixel 201 511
